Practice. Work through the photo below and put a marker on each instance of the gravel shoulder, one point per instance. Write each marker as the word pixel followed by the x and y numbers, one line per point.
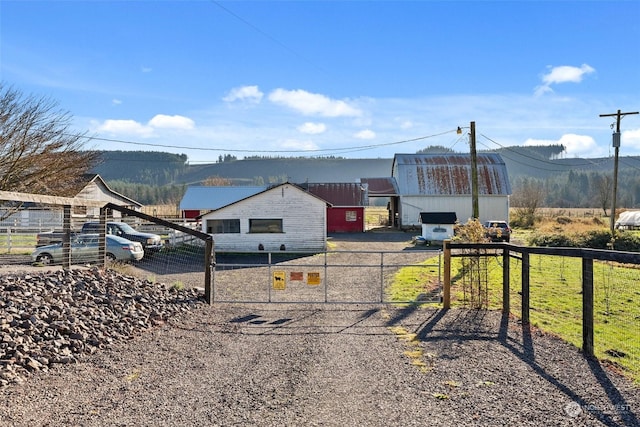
pixel 329 365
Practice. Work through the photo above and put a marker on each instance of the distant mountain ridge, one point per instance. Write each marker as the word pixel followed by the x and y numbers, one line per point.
pixel 140 167
pixel 157 178
pixel 157 168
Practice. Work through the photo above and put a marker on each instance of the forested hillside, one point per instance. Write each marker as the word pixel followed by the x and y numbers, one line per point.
pixel 157 178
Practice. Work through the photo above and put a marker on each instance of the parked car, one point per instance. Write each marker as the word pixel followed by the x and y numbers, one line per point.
pixel 52 237
pixel 84 248
pixel 498 231
pixel 150 242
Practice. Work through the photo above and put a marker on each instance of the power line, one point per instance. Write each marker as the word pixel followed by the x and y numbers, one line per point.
pixel 586 163
pixel 236 150
pixel 265 34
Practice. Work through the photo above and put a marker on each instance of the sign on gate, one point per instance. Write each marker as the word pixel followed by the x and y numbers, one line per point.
pixel 279 282
pixel 329 277
pixel 313 278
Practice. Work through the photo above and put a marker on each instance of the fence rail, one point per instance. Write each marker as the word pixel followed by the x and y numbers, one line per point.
pixel 589 297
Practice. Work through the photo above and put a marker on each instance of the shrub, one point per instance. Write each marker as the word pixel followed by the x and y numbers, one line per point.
pixel 554 240
pixel 471 232
pixel 522 219
pixel 595 239
pixel 626 241
pixel 564 220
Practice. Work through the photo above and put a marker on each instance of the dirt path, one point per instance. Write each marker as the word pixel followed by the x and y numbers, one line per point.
pixel 329 365
pixel 334 366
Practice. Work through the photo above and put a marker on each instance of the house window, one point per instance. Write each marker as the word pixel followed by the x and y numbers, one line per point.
pixel 220 226
pixel 265 226
pixel 351 216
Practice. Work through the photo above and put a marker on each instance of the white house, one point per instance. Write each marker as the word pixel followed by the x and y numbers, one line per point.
pixel 283 217
pixel 91 187
pixel 443 183
pixel 95 188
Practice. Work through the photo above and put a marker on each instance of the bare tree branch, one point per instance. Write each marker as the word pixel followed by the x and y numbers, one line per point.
pixel 39 151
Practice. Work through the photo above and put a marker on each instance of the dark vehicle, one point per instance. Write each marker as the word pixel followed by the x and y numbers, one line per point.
pixel 150 242
pixel 497 231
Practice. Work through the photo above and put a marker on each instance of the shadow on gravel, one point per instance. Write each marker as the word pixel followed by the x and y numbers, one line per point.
pixel 526 353
pixel 458 326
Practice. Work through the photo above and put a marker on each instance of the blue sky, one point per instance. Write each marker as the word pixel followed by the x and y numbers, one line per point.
pixel 360 79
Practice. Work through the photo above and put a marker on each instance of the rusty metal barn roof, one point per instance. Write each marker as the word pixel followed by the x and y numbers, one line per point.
pixel 381 187
pixel 339 194
pixel 449 174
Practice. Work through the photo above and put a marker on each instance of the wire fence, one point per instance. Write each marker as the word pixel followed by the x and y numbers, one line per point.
pixel 589 298
pixel 146 247
pixel 345 277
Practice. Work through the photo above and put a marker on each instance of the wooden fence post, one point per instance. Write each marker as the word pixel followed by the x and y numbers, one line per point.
pixel 587 306
pixel 506 273
pixel 525 288
pixel 446 286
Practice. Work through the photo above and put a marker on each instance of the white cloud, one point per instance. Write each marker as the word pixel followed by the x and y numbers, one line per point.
pixel 406 124
pixel 631 138
pixel 575 145
pixel 563 74
pixel 116 101
pixel 365 134
pixel 294 144
pixel 162 121
pixel 313 104
pixel 248 94
pixel 134 128
pixel 312 128
pixel 146 69
pixel 125 127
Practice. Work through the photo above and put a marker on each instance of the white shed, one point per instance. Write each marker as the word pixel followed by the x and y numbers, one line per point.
pixel 437 226
pixel 283 217
pixel 628 220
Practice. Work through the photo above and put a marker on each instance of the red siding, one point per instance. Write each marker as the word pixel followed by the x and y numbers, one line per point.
pixel 190 214
pixel 345 220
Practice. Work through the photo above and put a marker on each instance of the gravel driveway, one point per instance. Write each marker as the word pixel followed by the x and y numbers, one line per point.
pixel 329 365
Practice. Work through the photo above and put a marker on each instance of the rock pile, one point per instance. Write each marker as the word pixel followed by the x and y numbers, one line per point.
pixel 54 317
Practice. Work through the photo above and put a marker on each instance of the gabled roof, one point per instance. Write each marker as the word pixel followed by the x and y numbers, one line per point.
pixel 438 217
pixel 87 192
pixel 213 197
pixel 449 174
pixel 339 193
pixel 274 187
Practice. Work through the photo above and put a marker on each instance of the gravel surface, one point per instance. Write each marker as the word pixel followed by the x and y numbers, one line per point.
pixel 329 365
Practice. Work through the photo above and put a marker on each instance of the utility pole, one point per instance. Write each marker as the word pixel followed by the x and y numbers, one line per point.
pixel 616 146
pixel 474 172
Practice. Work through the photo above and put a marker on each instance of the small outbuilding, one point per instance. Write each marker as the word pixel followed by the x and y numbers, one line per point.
pixel 283 217
pixel 628 220
pixel 347 203
pixel 437 226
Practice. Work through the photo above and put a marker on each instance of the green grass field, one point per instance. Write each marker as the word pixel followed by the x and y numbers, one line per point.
pixel 555 301
pixel 17 243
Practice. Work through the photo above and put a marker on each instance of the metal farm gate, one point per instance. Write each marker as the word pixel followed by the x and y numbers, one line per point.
pixel 348 277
